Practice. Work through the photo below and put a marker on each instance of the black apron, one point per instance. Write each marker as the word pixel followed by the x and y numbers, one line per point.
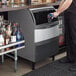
pixel 70 31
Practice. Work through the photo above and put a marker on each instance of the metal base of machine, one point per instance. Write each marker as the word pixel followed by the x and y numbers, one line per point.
pixel 33 63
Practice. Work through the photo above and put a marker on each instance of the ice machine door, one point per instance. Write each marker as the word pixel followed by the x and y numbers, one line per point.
pixel 40 15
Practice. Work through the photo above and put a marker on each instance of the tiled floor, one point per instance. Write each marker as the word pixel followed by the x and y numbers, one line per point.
pixel 7 68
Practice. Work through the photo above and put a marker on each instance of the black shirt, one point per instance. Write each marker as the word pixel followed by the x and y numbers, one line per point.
pixel 72 7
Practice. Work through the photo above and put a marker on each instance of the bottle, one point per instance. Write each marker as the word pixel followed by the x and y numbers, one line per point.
pixel 50 17
pixel 1 38
pixel 22 37
pixel 18 35
pixel 7 41
pixel 12 1
pixel 4 2
pixel 40 1
pixel 28 2
pixel 13 34
pixel 1 19
pixel 8 30
pixel 16 1
pixel 3 29
pixel 22 1
pixel 8 2
pixel 8 34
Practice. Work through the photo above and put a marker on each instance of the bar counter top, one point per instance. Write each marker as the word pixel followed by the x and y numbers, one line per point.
pixel 13 7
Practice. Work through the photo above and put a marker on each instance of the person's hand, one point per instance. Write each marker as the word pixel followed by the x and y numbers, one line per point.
pixel 55 14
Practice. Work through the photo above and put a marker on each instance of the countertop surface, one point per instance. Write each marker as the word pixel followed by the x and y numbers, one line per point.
pixel 14 7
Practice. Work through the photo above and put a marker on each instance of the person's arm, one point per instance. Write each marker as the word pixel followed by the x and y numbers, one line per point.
pixel 63 6
pixel 61 3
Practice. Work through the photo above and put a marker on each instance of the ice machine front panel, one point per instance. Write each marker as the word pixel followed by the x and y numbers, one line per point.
pixel 45 34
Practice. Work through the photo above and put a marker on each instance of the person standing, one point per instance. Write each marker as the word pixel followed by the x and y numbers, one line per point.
pixel 69 9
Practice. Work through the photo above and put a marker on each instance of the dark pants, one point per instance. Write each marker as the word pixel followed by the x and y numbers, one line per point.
pixel 70 34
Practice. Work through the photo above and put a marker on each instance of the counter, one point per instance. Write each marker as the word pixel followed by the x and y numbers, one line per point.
pixel 12 7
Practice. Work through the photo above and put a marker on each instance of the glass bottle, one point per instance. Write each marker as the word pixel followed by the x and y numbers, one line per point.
pixel 8 30
pixel 1 38
pixel 13 34
pixel 12 1
pixel 28 2
pixel 18 35
pixel 8 34
pixel 16 1
pixel 22 1
pixel 4 2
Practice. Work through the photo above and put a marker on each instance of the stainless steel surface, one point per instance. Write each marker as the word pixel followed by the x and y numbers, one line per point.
pixel 15 53
pixel 2 56
pixel 45 34
pixel 41 8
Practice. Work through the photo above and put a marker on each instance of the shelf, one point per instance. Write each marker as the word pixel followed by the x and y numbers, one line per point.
pixel 3 51
pixel 12 50
pixel 11 44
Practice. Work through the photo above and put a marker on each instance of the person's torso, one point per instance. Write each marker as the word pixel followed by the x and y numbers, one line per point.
pixel 72 7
